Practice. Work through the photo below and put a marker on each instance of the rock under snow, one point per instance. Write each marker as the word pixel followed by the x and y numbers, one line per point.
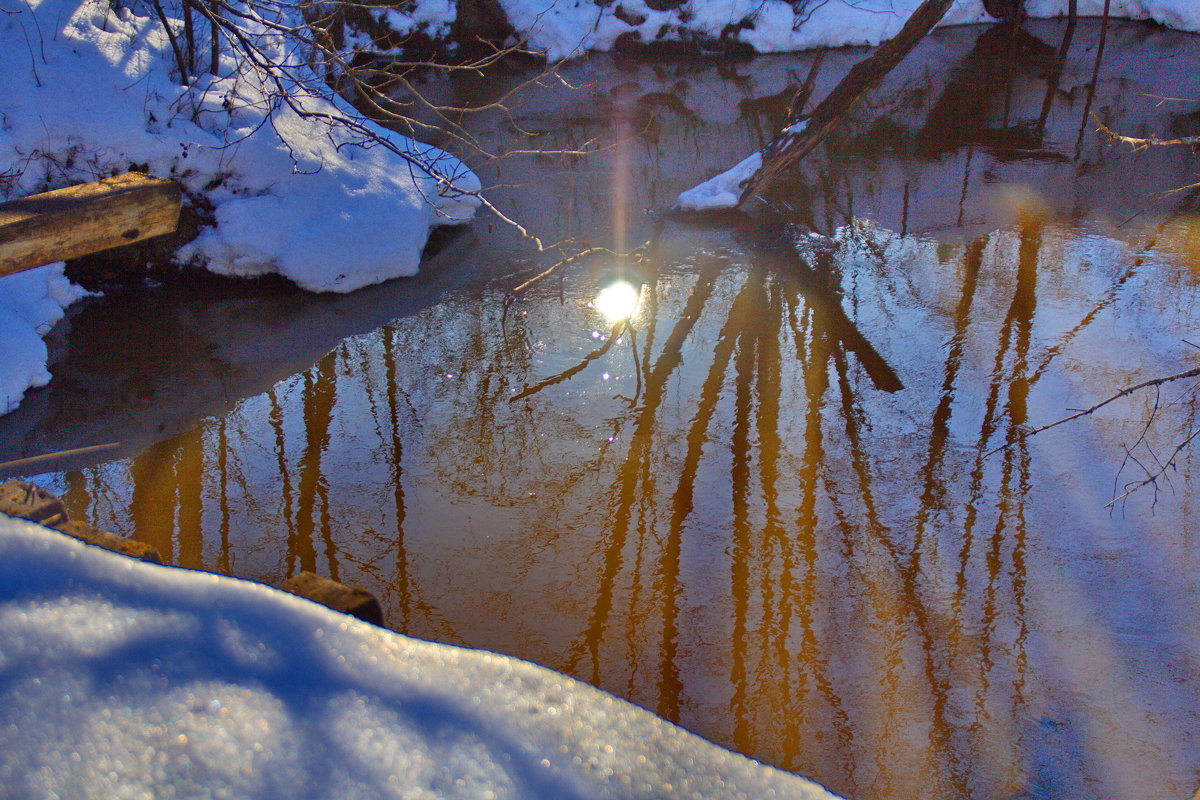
pixel 721 191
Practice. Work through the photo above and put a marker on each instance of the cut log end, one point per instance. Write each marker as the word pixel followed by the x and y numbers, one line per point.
pixel 79 220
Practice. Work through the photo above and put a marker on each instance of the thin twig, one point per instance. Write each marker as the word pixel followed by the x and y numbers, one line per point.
pixel 214 61
pixel 1153 479
pixel 571 259
pixel 1141 144
pixel 32 61
pixel 32 461
pixel 1023 435
pixel 179 62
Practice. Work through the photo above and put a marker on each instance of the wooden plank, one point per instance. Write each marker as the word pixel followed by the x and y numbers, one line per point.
pixel 78 220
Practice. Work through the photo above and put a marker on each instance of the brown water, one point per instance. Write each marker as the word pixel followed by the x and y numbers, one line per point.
pixel 728 511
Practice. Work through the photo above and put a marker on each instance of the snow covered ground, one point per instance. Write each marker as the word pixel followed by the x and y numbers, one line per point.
pixel 571 27
pixel 120 679
pixel 31 303
pixel 88 92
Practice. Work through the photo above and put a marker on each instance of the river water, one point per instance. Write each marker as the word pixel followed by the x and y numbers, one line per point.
pixel 770 505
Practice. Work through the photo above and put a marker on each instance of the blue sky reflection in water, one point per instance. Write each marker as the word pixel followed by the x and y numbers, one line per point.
pixel 765 508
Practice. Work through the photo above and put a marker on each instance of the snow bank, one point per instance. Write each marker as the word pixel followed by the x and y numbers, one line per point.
pixel 872 21
pixel 571 27
pixel 432 18
pixel 1183 15
pixel 88 92
pixel 122 679
pixel 721 191
pixel 30 303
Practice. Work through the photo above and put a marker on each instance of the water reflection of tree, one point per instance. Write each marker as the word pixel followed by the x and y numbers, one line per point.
pixel 774 565
pixel 877 620
pixel 877 628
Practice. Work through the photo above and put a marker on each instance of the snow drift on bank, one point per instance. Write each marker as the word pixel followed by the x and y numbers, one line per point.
pixel 88 92
pixel 571 27
pixel 30 303
pixel 123 679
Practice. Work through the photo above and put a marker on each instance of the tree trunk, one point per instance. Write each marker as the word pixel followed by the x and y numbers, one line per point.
pixel 1007 9
pixel 800 136
pixel 78 220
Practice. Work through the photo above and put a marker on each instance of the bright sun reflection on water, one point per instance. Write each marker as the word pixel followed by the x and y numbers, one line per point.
pixel 617 301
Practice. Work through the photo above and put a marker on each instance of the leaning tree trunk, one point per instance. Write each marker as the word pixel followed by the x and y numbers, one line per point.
pixel 800 136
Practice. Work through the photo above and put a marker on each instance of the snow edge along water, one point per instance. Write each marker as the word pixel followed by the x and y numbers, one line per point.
pixel 119 677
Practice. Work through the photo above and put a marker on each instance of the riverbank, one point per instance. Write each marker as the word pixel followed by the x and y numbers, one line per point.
pixel 91 90
pixel 571 29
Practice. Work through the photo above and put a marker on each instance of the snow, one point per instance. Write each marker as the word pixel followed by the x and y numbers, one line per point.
pixel 569 28
pixel 123 679
pixel 433 17
pixel 720 191
pixel 88 92
pixel 30 303
pixel 723 190
pixel 1181 14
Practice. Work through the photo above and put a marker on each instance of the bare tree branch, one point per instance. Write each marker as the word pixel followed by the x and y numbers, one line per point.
pixel 296 50
pixel 1142 144
pixel 1190 373
pixel 613 336
pixel 1153 478
pixel 179 62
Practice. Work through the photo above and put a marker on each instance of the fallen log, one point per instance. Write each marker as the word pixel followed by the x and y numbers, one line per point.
pixel 352 600
pixel 79 220
pixel 26 501
pixel 801 134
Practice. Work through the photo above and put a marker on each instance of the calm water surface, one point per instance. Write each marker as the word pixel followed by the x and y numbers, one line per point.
pixel 767 507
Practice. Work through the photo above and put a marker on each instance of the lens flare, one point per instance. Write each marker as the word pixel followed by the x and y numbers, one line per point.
pixel 617 301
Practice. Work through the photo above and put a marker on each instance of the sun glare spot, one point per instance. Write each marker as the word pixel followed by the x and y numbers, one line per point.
pixel 617 301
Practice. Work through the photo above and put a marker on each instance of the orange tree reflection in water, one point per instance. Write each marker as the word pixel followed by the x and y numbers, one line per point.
pixel 768 544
